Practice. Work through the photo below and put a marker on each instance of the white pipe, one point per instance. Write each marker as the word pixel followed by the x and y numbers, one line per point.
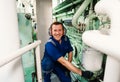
pixel 79 12
pixel 18 53
pixel 38 64
pixel 111 10
pixel 108 44
pixel 9 42
pixel 112 70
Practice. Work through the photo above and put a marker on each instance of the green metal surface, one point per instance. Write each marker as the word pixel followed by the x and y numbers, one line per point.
pixel 91 22
pixel 66 6
pixel 25 31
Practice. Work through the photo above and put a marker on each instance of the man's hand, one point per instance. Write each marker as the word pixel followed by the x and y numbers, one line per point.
pixel 87 74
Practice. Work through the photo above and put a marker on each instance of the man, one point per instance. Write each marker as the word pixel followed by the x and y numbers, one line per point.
pixel 55 49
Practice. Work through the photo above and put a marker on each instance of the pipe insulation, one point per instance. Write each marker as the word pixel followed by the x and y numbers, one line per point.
pixel 9 42
pixel 92 59
pixel 108 44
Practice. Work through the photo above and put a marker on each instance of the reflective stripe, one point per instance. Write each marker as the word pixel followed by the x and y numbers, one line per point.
pixel 50 40
pixel 47 71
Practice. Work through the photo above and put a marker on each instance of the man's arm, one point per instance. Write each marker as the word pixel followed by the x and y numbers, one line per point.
pixel 69 66
pixel 70 56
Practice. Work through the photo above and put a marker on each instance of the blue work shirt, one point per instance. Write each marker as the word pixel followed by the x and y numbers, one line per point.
pixel 54 50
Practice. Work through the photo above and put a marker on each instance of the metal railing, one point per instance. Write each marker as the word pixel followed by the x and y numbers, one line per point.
pixel 23 50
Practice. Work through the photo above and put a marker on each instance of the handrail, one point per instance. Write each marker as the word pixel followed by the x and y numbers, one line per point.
pixel 23 50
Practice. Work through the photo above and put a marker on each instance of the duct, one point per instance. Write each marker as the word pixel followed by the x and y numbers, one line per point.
pixel 79 12
pixel 108 44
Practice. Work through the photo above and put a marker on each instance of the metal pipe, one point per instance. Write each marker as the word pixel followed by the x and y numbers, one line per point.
pixel 66 6
pixel 38 64
pixel 23 50
pixel 79 12
pixel 18 53
pixel 9 42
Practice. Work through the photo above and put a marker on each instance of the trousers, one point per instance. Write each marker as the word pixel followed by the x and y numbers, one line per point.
pixel 62 74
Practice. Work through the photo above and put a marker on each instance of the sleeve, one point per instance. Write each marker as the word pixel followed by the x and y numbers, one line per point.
pixel 69 45
pixel 52 51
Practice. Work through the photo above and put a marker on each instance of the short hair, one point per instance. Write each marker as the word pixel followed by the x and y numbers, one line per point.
pixel 56 23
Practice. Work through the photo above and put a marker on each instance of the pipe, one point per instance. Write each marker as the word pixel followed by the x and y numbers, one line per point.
pixel 66 6
pixel 88 19
pixel 38 64
pixel 18 53
pixel 108 44
pixel 79 12
pixel 9 42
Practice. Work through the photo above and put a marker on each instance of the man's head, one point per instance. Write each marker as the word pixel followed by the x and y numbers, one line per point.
pixel 57 30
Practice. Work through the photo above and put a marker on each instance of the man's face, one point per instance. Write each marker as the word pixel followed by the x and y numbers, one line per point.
pixel 57 32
